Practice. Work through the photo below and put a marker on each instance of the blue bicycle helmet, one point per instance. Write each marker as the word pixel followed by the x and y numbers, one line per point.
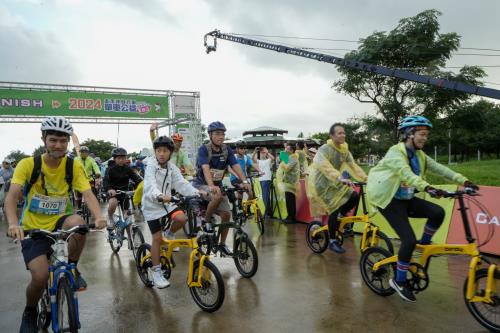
pixel 216 126
pixel 414 121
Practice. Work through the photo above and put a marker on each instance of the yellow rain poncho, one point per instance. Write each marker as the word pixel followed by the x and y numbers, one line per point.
pixel 325 191
pixel 288 175
pixel 302 157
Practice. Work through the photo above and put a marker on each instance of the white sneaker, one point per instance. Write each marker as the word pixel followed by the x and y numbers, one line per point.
pixel 159 280
pixel 170 236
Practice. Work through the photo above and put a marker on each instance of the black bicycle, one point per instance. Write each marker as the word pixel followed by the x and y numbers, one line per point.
pixel 244 253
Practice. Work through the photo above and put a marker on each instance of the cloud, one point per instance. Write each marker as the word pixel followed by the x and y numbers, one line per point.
pixel 153 8
pixel 33 56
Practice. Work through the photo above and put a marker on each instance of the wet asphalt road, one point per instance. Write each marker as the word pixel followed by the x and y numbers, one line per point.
pixel 294 290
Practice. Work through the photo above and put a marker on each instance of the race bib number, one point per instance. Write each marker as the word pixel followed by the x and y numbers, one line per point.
pixel 42 204
pixel 217 175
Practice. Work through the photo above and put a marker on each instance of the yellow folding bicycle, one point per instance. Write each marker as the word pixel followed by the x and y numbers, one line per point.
pixel 204 280
pixel 480 290
pixel 317 235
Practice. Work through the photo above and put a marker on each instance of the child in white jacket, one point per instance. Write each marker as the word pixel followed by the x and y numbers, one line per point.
pixel 161 176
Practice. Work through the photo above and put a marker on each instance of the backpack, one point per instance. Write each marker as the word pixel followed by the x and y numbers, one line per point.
pixel 225 152
pixel 37 170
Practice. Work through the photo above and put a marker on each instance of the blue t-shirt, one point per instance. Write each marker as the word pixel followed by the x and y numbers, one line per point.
pixel 217 163
pixel 244 162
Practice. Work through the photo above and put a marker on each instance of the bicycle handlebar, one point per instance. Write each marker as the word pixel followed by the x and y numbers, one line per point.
pixel 455 194
pixel 37 233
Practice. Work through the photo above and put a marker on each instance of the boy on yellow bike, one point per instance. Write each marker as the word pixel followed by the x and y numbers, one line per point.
pixel 160 177
pixel 327 190
pixel 392 185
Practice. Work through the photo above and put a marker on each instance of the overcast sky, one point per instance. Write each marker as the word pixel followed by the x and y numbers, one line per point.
pixel 158 44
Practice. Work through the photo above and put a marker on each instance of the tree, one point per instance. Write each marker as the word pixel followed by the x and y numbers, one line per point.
pixel 17 155
pixel 100 148
pixel 39 151
pixel 414 45
pixel 322 136
pixel 301 135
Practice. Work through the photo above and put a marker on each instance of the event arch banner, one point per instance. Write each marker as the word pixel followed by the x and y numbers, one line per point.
pixel 22 102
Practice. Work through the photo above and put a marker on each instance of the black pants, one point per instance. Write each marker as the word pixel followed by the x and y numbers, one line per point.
pixel 397 213
pixel 290 205
pixel 333 223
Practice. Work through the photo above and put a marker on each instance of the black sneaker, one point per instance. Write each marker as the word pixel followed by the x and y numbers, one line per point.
pixel 81 284
pixel 290 221
pixel 403 291
pixel 29 322
pixel 224 249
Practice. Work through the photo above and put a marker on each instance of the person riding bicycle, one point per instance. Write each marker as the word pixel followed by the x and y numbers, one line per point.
pixel 46 185
pixel 179 157
pixel 392 185
pixel 327 190
pixel 92 172
pixel 117 177
pixel 245 163
pixel 161 177
pixel 212 162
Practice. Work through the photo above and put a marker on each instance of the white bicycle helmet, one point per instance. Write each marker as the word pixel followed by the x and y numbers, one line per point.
pixel 58 124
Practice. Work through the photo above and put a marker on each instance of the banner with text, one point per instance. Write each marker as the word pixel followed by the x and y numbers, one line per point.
pixel 18 102
pixel 482 223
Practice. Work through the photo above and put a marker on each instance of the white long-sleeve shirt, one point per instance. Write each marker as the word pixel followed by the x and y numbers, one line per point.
pixel 158 180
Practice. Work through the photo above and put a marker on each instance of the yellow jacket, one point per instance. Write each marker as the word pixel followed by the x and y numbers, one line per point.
pixel 325 191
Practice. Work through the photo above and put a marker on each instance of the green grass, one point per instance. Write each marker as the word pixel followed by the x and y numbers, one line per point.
pixel 479 172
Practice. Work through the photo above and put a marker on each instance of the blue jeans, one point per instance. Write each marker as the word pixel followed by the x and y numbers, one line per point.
pixel 266 186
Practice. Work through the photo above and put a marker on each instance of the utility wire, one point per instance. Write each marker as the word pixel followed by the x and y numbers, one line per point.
pixel 343 40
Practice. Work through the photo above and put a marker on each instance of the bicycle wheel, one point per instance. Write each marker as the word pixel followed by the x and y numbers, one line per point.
pixel 382 241
pixel 210 296
pixel 143 270
pixel 115 239
pixel 259 219
pixel 486 314
pixel 245 257
pixel 66 310
pixel 318 243
pixel 44 314
pixel 137 239
pixel 377 281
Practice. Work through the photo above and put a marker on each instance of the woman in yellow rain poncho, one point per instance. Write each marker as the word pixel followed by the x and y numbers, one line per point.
pixel 327 191
pixel 288 176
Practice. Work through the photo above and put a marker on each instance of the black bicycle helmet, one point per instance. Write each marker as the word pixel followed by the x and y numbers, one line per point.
pixel 118 151
pixel 84 149
pixel 163 141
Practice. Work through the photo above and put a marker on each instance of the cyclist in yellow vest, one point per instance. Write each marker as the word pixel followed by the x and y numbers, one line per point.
pixel 92 172
pixel 180 158
pixel 392 185
pixel 47 206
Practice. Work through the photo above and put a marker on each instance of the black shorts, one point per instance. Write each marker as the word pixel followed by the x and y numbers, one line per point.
pixel 33 248
pixel 158 224
pixel 123 201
